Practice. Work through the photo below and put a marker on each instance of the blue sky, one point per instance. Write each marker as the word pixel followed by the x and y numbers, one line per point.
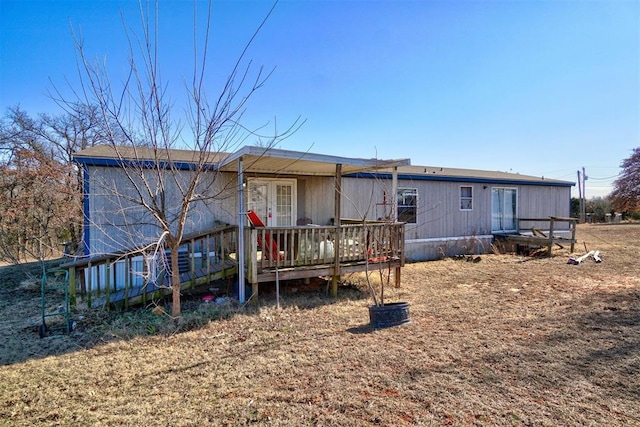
pixel 535 87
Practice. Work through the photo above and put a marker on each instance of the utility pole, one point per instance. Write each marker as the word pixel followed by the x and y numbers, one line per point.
pixel 581 206
pixel 584 194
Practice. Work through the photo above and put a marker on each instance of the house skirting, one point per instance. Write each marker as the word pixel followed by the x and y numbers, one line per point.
pixel 441 247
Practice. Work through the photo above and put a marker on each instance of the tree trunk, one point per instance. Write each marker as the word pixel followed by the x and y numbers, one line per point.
pixel 175 283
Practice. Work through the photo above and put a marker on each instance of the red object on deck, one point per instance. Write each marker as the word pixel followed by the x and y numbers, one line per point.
pixel 270 246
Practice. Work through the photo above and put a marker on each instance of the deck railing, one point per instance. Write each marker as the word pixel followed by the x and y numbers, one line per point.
pixel 549 227
pixel 135 276
pixel 545 232
pixel 308 246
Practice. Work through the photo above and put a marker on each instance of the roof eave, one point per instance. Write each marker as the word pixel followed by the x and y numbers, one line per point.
pixel 357 164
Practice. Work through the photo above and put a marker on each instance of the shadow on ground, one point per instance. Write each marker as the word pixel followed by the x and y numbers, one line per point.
pixel 21 314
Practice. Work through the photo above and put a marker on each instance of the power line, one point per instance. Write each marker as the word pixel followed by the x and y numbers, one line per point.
pixel 604 179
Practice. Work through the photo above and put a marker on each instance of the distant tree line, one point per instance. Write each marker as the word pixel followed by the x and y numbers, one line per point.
pixel 40 187
pixel 597 209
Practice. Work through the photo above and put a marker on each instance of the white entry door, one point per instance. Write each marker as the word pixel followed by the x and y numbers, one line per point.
pixel 273 200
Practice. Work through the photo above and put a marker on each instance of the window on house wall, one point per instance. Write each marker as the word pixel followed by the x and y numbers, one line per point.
pixel 466 198
pixel 408 205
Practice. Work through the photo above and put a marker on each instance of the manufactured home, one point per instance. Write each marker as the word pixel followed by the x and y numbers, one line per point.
pixel 266 214
pixel 449 211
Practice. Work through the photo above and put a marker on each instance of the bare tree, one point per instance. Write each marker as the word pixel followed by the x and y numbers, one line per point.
pixel 58 137
pixel 159 186
pixel 34 201
pixel 40 186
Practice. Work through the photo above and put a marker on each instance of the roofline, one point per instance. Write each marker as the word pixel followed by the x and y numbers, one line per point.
pixel 365 164
pixel 249 150
pixel 475 180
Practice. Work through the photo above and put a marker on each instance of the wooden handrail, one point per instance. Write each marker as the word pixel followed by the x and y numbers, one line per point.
pixel 556 218
pixel 316 245
pixel 551 239
pixel 120 275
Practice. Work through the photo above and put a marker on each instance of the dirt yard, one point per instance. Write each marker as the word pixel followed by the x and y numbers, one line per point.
pixel 509 340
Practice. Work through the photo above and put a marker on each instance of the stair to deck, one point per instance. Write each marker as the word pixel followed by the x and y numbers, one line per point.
pixel 132 277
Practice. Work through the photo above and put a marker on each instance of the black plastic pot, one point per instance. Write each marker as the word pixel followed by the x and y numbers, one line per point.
pixel 390 314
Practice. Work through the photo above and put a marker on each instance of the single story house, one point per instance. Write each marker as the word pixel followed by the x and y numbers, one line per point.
pixel 302 198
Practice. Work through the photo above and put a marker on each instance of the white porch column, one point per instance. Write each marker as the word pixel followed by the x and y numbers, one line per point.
pixel 241 252
pixel 336 244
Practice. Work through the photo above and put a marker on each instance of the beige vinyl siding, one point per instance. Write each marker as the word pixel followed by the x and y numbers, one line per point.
pixel 439 213
pixel 118 224
pixel 318 199
pixel 223 206
pixel 362 198
pixel 442 227
pixel 543 202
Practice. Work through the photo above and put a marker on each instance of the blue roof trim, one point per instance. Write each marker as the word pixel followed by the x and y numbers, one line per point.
pixel 147 164
pixel 475 180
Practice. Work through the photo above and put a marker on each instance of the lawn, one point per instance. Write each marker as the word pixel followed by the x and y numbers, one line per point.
pixel 509 340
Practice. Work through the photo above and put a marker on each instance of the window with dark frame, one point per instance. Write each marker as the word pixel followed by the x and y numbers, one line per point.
pixel 466 198
pixel 408 205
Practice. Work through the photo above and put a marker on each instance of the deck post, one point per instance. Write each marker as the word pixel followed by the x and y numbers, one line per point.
pixel 221 255
pixel 72 286
pixel 207 258
pixel 336 244
pixel 128 282
pixel 551 220
pixel 394 195
pixel 192 262
pixel 254 292
pixel 573 235
pixel 89 283
pixel 107 284
pixel 253 260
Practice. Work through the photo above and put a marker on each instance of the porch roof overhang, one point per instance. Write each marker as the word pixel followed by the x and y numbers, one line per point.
pixel 255 159
pixel 287 162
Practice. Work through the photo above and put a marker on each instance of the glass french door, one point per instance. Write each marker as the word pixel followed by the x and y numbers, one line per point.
pixel 273 201
pixel 503 209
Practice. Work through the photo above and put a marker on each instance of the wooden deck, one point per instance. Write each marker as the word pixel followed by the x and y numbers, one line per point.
pixel 542 233
pixel 133 277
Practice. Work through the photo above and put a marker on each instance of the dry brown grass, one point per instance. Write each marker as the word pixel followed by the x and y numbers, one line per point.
pixel 506 341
